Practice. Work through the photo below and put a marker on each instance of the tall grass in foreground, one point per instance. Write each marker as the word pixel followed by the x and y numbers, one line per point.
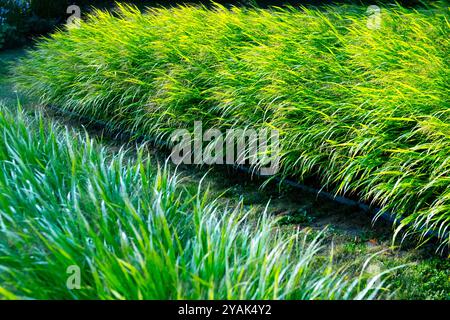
pixel 366 111
pixel 135 231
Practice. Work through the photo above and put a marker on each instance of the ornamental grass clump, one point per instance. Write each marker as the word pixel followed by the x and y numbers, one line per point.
pixel 70 207
pixel 364 111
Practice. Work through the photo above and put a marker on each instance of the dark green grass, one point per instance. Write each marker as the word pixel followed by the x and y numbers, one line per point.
pixel 8 95
pixel 136 232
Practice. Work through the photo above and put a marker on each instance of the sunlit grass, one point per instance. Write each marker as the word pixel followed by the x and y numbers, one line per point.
pixel 366 111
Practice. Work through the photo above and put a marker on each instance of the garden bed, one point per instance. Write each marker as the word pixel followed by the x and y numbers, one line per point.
pixel 365 109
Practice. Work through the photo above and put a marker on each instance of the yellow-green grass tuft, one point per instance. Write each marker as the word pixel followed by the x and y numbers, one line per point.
pixel 363 109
